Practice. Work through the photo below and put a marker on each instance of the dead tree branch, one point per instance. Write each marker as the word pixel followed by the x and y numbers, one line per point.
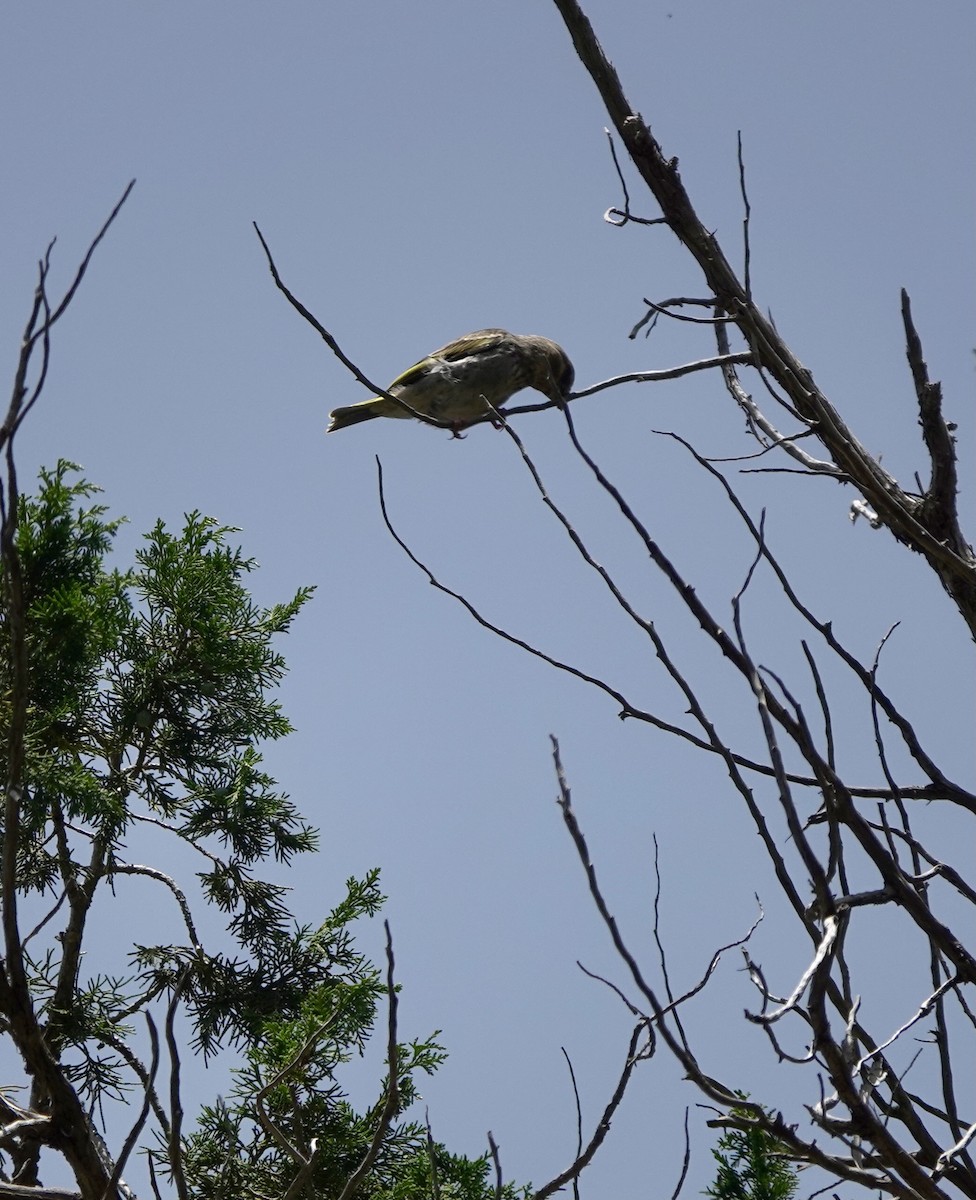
pixel 70 1129
pixel 928 525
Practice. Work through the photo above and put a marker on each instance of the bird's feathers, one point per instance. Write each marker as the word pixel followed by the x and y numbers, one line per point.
pixel 468 379
pixel 466 346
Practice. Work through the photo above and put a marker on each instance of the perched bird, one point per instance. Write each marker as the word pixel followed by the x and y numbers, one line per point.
pixel 467 378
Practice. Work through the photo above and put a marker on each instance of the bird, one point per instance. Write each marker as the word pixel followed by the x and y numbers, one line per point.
pixel 469 378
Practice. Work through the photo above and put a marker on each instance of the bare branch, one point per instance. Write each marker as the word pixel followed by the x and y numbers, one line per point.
pixel 685 1162
pixel 435 1186
pixel 955 792
pixel 659 376
pixel 141 1072
pixel 946 1158
pixel 923 1010
pixel 617 216
pixel 274 1131
pixel 72 1131
pixel 939 499
pixel 823 950
pixel 334 346
pixel 174 1140
pixel 907 517
pixel 14 1191
pixel 940 789
pixel 147 1099
pixel 178 894
pixel 20 405
pixel 618 992
pixel 584 1158
pixel 747 217
pixel 496 1160
pixel 579 1117
pixel 392 1102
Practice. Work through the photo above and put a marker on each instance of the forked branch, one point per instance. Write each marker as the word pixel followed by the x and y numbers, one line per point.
pixel 928 525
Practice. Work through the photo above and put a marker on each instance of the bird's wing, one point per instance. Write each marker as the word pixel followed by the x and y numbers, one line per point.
pixel 462 347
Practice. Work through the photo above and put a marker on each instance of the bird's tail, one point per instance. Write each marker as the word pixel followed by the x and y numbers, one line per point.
pixel 351 414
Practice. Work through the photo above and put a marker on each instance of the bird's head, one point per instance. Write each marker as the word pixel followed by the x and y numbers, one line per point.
pixel 552 372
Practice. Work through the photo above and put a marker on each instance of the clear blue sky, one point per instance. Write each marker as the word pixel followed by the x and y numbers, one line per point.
pixel 421 170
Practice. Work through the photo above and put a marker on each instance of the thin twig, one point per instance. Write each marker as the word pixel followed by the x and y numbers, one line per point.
pixel 663 308
pixel 129 1143
pixel 584 1158
pixel 19 407
pixel 497 1161
pixel 617 216
pixel 174 1141
pixel 334 346
pixel 743 358
pixel 579 1117
pixel 939 499
pixel 685 1162
pixel 951 791
pixel 631 1007
pixel 435 1184
pixel 391 1103
pixel 119 868
pixel 747 215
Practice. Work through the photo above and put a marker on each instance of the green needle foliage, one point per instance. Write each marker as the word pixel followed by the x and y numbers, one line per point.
pixel 751 1165
pixel 137 701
